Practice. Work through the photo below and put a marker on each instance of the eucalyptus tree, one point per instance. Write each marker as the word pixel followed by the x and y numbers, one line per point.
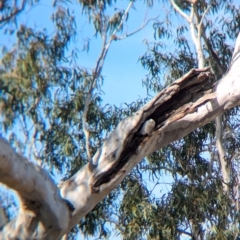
pixel 181 132
pixel 204 164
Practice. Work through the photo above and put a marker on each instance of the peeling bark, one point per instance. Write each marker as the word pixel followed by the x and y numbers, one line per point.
pixel 188 103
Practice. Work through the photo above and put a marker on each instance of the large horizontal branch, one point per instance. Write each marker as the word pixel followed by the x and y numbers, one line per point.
pixel 128 143
pixel 188 103
pixel 41 206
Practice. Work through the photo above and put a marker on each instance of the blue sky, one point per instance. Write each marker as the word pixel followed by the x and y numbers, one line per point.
pixel 122 72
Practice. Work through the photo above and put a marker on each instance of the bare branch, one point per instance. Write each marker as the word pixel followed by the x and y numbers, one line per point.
pixel 17 10
pixel 85 124
pixel 196 36
pixel 219 131
pixel 96 73
pixel 208 44
pixel 113 36
pixel 178 9
pixel 122 20
pixel 201 62
pixel 203 16
pixel 137 30
pixel 212 53
pixel 225 167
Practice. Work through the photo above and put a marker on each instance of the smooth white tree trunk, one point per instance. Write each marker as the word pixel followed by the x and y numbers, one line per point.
pixel 48 211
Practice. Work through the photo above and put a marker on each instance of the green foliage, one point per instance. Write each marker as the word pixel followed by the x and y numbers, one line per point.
pixel 134 210
pixel 197 205
pixel 88 5
pixel 43 89
pixel 10 10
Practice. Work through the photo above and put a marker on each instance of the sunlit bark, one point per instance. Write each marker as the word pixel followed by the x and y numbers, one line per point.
pixel 188 103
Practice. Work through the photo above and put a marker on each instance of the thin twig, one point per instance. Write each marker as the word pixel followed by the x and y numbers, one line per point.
pixel 137 30
pixel 213 55
pixel 3 20
pixel 222 153
pixel 96 74
pixel 178 9
pixel 203 16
